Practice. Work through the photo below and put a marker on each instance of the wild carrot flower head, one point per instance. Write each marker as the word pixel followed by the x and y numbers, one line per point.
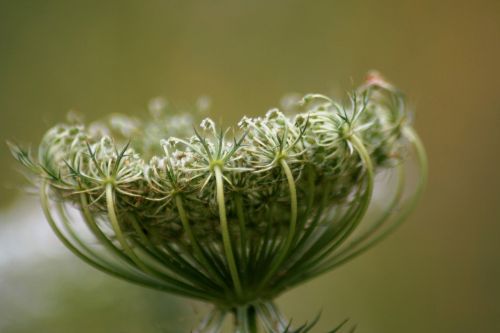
pixel 231 216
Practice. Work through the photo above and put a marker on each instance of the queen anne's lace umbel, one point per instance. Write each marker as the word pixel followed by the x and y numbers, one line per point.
pixel 233 217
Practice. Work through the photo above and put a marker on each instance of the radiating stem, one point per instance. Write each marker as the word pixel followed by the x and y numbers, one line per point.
pixel 191 273
pixel 352 246
pixel 98 233
pixel 245 319
pixel 406 209
pixel 194 243
pixel 308 268
pixel 291 231
pixel 252 320
pixel 243 234
pixel 113 219
pixel 146 282
pixel 213 322
pixel 226 238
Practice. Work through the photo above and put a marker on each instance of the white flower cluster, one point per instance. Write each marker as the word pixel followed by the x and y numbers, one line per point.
pixel 315 145
pixel 235 216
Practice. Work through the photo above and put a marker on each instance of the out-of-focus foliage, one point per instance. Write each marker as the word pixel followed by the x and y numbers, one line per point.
pixel 62 295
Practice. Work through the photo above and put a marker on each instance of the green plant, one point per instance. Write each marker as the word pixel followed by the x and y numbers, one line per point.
pixel 233 217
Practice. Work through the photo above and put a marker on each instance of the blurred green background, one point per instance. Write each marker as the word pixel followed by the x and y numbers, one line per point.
pixel 439 273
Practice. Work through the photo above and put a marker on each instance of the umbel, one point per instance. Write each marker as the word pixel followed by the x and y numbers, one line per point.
pixel 232 217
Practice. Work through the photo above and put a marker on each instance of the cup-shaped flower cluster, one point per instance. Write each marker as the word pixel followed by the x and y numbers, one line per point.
pixel 232 217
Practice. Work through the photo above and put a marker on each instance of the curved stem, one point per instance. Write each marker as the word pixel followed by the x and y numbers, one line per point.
pixel 272 319
pixel 98 233
pixel 311 266
pixel 212 323
pixel 327 241
pixel 185 270
pixel 63 216
pixel 44 200
pixel 281 255
pixel 245 319
pixel 407 209
pixel 243 234
pixel 311 194
pixel 226 239
pixel 300 246
pixel 194 243
pixel 252 320
pixel 367 195
pixel 113 219
pixel 396 199
pixel 139 263
pixel 106 269
pixel 83 247
pixel 368 166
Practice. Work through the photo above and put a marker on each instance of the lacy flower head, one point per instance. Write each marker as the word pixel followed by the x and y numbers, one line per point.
pixel 233 217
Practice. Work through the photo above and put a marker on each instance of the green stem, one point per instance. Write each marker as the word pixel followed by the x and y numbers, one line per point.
pixel 194 243
pixel 245 319
pixel 226 239
pixel 212 322
pixel 108 269
pixel 406 209
pixel 113 219
pixel 252 320
pixel 281 255
pixel 243 234
pixel 310 266
pixel 352 246
pixel 98 233
pixel 141 264
pixel 192 274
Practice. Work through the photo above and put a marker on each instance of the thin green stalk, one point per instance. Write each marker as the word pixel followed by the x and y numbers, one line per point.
pixel 122 275
pixel 257 251
pixel 291 231
pixel 328 239
pixel 44 200
pixel 381 219
pixel 334 236
pixel 226 238
pixel 312 228
pixel 311 265
pixel 113 219
pixel 128 250
pixel 245 319
pixel 189 265
pixel 321 247
pixel 408 208
pixel 194 243
pixel 311 196
pixel 265 245
pixel 213 321
pixel 252 320
pixel 183 269
pixel 85 249
pixel 367 195
pixel 243 232
pixel 92 225
pixel 271 318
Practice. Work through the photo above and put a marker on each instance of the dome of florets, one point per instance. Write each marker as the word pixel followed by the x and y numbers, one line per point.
pixel 231 216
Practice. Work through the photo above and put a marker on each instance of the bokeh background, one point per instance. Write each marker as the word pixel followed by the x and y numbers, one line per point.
pixel 439 273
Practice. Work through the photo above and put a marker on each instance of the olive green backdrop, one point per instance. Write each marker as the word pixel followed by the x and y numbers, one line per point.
pixel 439 273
